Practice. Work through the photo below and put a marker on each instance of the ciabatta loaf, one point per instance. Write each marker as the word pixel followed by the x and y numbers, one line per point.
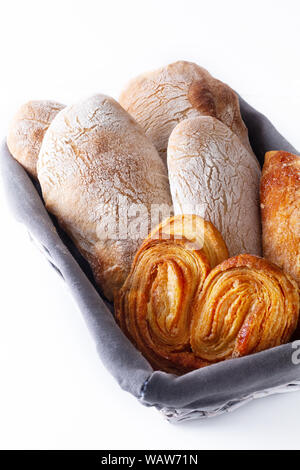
pixel 27 130
pixel 100 175
pixel 213 175
pixel 160 99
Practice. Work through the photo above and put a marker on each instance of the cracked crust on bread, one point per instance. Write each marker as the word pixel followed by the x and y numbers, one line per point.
pixel 213 175
pixel 159 100
pixel 93 154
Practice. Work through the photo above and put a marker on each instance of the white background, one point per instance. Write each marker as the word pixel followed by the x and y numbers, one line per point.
pixel 54 391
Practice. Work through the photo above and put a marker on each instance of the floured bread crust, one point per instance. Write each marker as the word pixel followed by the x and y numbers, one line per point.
pixel 213 175
pixel 159 100
pixel 27 130
pixel 92 154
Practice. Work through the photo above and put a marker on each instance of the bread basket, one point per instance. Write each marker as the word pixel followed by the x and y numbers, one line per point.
pixel 202 393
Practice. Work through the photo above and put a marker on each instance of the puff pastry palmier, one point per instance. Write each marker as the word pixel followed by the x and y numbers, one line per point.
pixel 196 230
pixel 153 307
pixel 280 210
pixel 182 316
pixel 246 305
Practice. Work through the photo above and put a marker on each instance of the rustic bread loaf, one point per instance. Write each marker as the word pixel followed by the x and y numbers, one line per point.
pixel 160 99
pixel 27 130
pixel 280 210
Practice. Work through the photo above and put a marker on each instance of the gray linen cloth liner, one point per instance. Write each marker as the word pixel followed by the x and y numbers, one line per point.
pixel 202 393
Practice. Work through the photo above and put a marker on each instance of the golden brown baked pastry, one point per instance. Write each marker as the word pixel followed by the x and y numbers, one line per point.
pixel 246 305
pixel 280 210
pixel 213 175
pixel 154 306
pixel 160 99
pixel 182 315
pixel 100 175
pixel 27 130
pixel 196 232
